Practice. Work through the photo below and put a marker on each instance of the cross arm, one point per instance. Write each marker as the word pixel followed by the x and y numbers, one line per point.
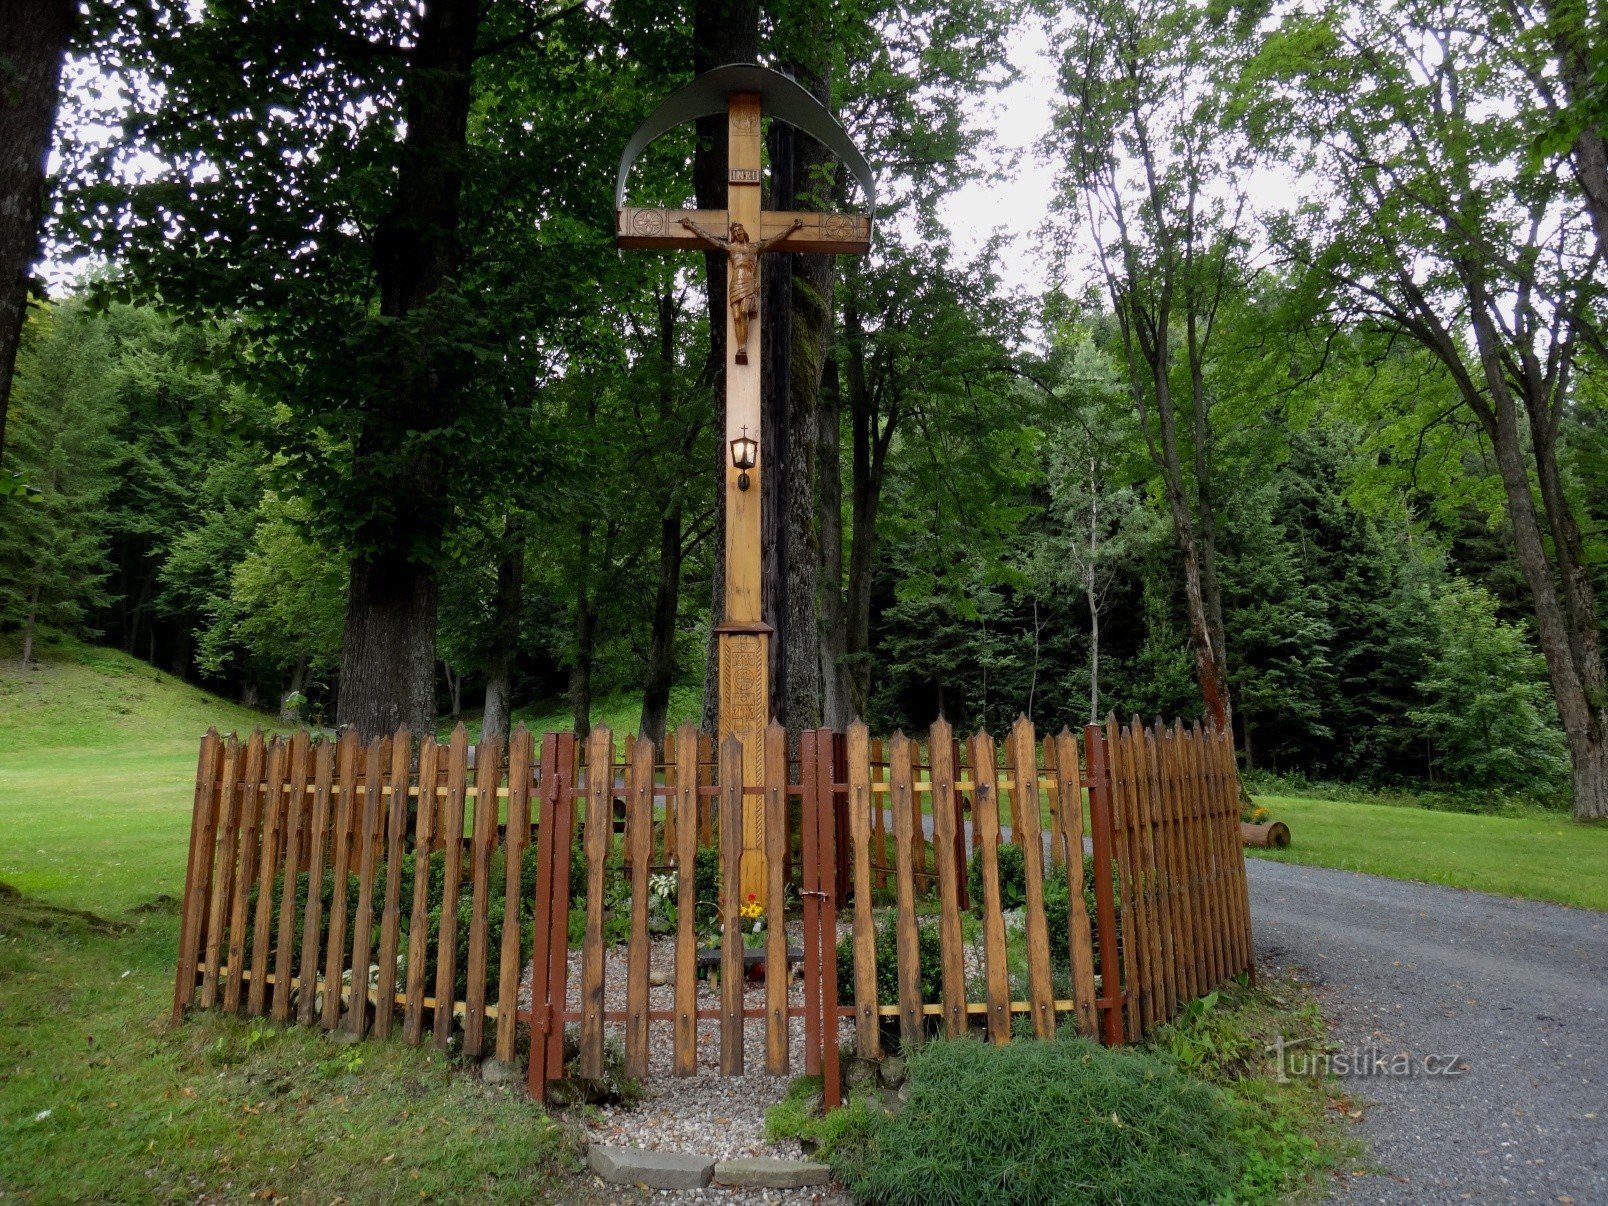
pixel 661 229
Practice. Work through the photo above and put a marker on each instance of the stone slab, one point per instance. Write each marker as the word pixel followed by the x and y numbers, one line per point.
pixel 656 1170
pixel 768 1172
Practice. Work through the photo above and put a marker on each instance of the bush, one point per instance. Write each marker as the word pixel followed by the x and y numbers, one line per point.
pixel 494 936
pixel 706 879
pixel 929 955
pixel 1012 878
pixel 1013 895
pixel 1043 1122
pixel 303 886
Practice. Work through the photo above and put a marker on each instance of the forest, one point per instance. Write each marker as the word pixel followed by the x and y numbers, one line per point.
pixel 340 399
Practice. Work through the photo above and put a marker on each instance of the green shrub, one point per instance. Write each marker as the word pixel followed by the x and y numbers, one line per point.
pixel 929 955
pixel 1057 896
pixel 303 886
pixel 1045 1122
pixel 494 936
pixel 1012 878
pixel 706 879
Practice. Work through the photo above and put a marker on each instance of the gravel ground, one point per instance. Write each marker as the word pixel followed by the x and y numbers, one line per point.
pixel 707 1114
pixel 1516 989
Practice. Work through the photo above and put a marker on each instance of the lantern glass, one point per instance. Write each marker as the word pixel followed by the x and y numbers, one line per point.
pixel 744 450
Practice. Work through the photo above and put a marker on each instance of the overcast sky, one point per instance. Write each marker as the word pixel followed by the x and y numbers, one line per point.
pixel 1018 202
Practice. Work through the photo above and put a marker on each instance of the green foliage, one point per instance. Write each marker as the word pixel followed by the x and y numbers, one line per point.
pixel 1013 895
pixel 1282 1125
pixel 286 599
pixel 1489 708
pixel 53 558
pixel 1012 878
pixel 1058 1121
pixel 798 1116
pixel 929 954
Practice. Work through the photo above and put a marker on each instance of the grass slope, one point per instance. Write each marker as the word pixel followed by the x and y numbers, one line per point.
pixel 97 770
pixel 99 1099
pixel 1542 856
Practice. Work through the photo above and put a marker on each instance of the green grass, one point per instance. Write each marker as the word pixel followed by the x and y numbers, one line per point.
pixel 97 773
pixel 620 712
pixel 1290 1131
pixel 100 1100
pixel 1539 855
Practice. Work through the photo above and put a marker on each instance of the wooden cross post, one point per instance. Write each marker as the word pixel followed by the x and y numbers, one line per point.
pixel 744 230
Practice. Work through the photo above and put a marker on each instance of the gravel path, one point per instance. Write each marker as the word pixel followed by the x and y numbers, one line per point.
pixel 706 1114
pixel 1517 989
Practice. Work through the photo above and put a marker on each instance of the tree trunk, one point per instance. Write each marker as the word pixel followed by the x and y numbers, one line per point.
pixel 662 641
pixel 33 43
pixel 1205 508
pixel 28 626
pixel 836 709
pixel 1573 658
pixel 723 31
pixel 388 647
pixel 506 606
pixel 776 434
pixel 388 653
pixel 813 281
pixel 1570 28
pixel 454 688
pixel 871 443
pixel 290 712
pixel 1092 594
pixel 1208 661
pixel 580 683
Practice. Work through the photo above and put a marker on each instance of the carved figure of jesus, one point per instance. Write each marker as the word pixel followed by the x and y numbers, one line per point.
pixel 742 270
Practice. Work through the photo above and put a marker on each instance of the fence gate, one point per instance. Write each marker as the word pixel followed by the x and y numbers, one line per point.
pixel 670 809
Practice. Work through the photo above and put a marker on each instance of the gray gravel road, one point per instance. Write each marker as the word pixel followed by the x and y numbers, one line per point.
pixel 1516 989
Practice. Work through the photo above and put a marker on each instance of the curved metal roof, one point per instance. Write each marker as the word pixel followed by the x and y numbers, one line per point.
pixel 780 97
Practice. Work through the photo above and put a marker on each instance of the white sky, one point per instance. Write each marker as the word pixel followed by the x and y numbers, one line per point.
pixel 1019 201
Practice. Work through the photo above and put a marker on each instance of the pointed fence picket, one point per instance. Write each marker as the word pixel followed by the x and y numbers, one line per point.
pixel 334 883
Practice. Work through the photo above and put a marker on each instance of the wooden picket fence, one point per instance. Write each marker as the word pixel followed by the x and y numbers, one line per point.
pixel 312 888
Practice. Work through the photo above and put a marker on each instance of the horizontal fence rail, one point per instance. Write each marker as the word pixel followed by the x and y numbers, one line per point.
pixel 485 897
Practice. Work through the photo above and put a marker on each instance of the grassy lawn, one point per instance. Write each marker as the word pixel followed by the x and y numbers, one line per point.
pixel 97 770
pixel 100 1100
pixel 1542 856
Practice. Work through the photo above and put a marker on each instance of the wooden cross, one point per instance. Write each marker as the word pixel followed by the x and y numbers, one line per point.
pixel 744 230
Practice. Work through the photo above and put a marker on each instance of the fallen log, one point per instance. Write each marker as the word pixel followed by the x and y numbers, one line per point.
pixel 1271 834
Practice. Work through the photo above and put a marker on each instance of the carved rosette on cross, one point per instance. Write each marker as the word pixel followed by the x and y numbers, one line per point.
pixel 745 92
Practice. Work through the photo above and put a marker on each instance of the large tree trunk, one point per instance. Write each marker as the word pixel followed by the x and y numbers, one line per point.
pixel 811 298
pixel 388 647
pixel 662 641
pixel 661 666
pixel 33 43
pixel 580 679
pixel 871 442
pixel 778 484
pixel 837 710
pixel 1572 652
pixel 723 31
pixel 388 652
pixel 506 606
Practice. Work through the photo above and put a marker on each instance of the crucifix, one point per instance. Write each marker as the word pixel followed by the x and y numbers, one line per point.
pixel 745 231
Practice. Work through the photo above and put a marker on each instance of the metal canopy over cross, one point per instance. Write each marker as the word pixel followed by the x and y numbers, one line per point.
pixel 745 230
